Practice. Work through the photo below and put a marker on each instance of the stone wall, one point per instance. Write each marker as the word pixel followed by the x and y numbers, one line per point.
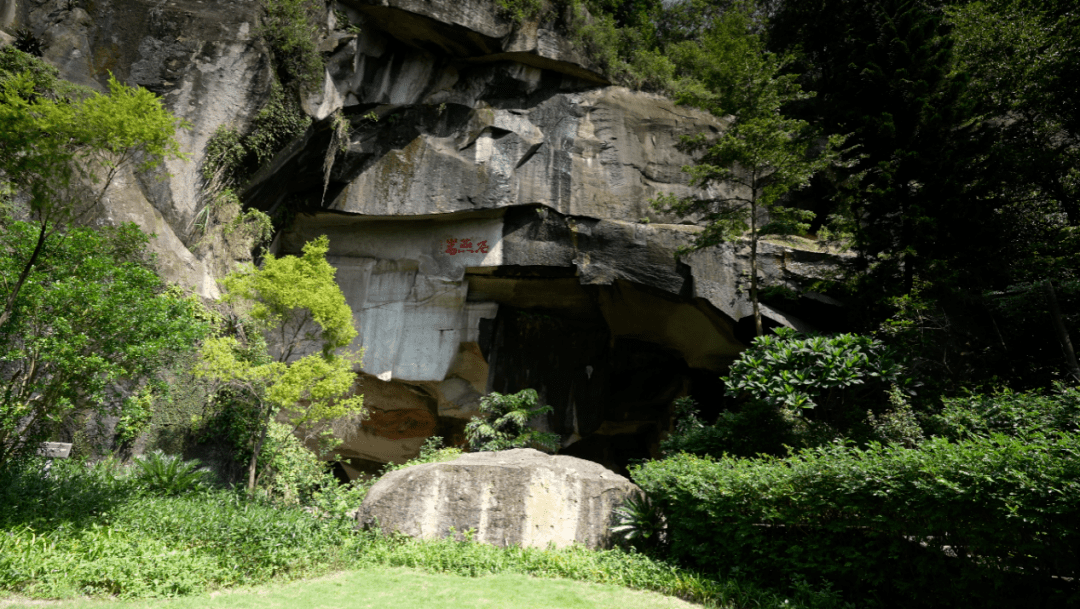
pixel 489 215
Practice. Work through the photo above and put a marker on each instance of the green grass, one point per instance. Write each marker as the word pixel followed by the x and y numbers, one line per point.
pixel 102 533
pixel 398 587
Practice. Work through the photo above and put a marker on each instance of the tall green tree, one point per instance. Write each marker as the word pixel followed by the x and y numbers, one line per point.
pixel 296 369
pixel 63 145
pixel 963 200
pixel 748 171
pixel 91 322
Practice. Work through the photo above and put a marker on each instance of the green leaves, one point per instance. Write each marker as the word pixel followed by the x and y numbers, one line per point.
pixel 54 132
pixel 503 423
pixel 93 317
pixel 299 370
pixel 995 512
pixel 287 293
pixel 799 373
pixel 170 474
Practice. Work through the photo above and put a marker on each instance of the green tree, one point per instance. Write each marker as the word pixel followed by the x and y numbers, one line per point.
pixel 294 369
pixel 63 145
pixel 763 155
pixel 964 198
pixel 91 321
pixel 504 423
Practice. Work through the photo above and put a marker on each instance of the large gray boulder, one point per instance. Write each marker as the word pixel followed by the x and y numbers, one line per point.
pixel 513 497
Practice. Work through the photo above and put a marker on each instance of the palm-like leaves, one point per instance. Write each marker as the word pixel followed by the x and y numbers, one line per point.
pixel 170 475
pixel 640 524
pixel 503 423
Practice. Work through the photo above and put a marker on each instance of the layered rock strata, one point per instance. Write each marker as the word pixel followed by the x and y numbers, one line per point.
pixel 488 210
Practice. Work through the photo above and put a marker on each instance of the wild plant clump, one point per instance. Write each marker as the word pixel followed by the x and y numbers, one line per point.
pixel 504 423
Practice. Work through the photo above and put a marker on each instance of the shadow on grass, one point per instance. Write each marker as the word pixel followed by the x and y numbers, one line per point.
pixel 66 493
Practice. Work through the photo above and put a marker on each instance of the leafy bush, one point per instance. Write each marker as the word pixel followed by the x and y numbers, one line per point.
pixel 1021 415
pixel 83 530
pixel 91 320
pixel 813 372
pixel 801 392
pixel 291 29
pixel 755 428
pixel 987 521
pixel 232 158
pixel 170 474
pixel 503 423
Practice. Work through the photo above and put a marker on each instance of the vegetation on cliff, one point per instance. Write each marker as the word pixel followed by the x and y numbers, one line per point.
pixel 946 444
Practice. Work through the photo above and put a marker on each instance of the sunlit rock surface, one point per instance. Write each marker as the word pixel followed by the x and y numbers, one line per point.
pixel 516 497
pixel 489 215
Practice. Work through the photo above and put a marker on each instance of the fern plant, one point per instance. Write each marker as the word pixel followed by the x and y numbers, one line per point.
pixel 504 423
pixel 170 475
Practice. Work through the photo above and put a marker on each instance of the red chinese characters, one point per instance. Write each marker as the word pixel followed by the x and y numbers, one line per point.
pixel 466 246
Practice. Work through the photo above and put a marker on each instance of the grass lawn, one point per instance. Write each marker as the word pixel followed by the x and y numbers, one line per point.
pixel 376 588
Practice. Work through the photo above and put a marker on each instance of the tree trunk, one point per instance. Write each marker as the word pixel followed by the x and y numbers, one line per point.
pixel 253 464
pixel 753 270
pixel 9 304
pixel 1062 332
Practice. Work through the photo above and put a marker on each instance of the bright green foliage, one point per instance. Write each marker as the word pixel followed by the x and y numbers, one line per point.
pixel 886 524
pixel 114 541
pixel 287 293
pixel 91 319
pixel 504 423
pixel 232 158
pixel 91 530
pixel 800 392
pixel 298 307
pixel 293 471
pixel 170 474
pixel 807 390
pixel 55 134
pixel 520 10
pixel 291 29
pixel 796 372
pixel 1023 415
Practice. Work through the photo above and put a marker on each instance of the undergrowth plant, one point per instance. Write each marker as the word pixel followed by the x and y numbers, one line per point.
pixel 640 524
pixel 504 423
pixel 170 474
pixel 984 521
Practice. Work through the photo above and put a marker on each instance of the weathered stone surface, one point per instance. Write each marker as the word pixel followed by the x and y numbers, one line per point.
pixel 600 154
pixel 489 219
pixel 596 315
pixel 210 69
pixel 515 497
pixel 474 30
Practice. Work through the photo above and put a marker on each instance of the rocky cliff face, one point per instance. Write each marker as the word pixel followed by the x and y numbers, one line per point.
pixel 488 212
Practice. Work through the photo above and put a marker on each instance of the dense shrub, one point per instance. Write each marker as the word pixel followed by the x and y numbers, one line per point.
pixel 88 530
pixel 801 391
pixel 754 428
pixel 1015 414
pixel 170 474
pixel 987 521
